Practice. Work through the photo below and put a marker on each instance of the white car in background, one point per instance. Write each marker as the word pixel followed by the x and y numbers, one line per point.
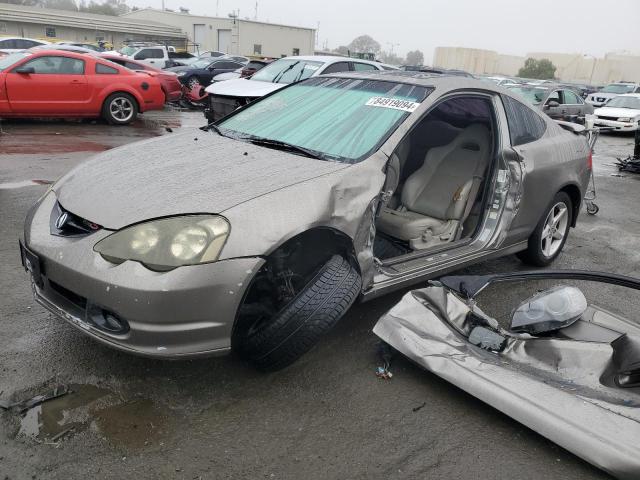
pixel 598 99
pixel 17 44
pixel 621 113
pixel 225 97
pixel 502 81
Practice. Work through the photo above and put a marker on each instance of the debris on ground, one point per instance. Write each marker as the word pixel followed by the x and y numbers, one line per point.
pixel 24 405
pixel 419 407
pixel 629 164
pixel 385 352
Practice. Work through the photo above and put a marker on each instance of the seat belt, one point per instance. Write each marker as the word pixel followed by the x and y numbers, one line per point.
pixel 471 200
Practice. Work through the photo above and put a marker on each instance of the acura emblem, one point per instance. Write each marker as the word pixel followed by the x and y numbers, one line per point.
pixel 62 220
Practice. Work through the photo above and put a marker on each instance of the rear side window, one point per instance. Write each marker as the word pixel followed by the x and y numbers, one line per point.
pixel 525 125
pixel 56 65
pixel 101 68
pixel 337 67
pixel 360 67
pixel 8 44
pixel 149 53
pixel 570 98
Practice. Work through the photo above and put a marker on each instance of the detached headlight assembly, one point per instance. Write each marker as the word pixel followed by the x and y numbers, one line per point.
pixel 168 243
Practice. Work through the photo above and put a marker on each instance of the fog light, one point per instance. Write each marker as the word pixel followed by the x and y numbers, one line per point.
pixel 106 321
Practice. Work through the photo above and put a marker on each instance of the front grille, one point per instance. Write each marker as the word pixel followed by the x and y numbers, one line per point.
pixel 223 106
pixel 63 223
pixel 603 117
pixel 77 300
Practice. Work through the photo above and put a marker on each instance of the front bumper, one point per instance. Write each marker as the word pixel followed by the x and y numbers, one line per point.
pixel 189 311
pixel 618 126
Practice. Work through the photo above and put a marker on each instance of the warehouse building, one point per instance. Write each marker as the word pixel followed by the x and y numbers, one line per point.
pixel 65 25
pixel 234 35
pixel 574 67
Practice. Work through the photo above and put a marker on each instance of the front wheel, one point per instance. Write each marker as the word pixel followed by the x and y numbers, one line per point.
pixel 548 239
pixel 272 342
pixel 120 109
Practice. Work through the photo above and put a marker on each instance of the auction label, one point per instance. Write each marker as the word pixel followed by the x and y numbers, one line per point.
pixel 394 103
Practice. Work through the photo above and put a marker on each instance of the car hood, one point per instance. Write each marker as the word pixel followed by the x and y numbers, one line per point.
pixel 190 172
pixel 183 68
pixel 617 112
pixel 243 87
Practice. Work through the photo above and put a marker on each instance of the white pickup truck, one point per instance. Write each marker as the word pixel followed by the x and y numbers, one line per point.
pixel 154 55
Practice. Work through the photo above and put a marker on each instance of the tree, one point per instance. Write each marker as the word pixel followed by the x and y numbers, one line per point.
pixel 364 44
pixel 342 50
pixel 390 58
pixel 541 69
pixel 415 57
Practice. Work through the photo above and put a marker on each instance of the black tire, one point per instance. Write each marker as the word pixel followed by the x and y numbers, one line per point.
pixel 300 324
pixel 116 117
pixel 534 254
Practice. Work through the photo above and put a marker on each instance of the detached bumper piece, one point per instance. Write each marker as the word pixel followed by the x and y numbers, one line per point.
pixel 579 385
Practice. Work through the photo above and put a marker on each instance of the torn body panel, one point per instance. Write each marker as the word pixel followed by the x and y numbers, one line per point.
pixel 564 386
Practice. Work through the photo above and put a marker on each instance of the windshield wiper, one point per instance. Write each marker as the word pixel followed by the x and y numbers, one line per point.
pixel 217 129
pixel 277 78
pixel 265 142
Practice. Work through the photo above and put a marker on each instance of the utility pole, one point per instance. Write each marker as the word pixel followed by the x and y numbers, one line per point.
pixel 318 35
pixel 163 5
pixel 217 7
pixel 255 16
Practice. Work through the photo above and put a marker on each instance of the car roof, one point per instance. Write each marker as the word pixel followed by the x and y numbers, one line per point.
pixel 420 78
pixel 634 95
pixel 40 51
pixel 25 38
pixel 328 59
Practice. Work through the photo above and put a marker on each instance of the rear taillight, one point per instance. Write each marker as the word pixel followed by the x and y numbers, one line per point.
pixel 590 160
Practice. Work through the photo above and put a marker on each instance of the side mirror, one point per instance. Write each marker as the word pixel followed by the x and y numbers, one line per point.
pixel 551 104
pixel 549 310
pixel 25 70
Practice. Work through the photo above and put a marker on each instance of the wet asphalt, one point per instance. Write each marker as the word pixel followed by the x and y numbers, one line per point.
pixel 327 416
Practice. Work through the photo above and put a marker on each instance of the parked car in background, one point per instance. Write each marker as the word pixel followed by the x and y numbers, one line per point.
pixel 622 113
pixel 177 59
pixel 88 46
pixel 557 102
pixel 154 55
pixel 252 67
pixel 169 82
pixel 59 83
pixel 502 81
pixel 16 44
pixel 201 73
pixel 612 90
pixel 211 53
pixel 261 235
pixel 225 97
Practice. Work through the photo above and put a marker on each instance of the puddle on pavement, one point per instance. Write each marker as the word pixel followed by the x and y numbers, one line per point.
pixel 123 423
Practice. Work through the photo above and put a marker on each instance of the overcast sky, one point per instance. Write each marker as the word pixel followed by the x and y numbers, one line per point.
pixel 591 27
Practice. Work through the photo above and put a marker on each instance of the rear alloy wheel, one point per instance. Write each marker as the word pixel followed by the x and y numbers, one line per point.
pixel 548 239
pixel 193 83
pixel 120 109
pixel 274 341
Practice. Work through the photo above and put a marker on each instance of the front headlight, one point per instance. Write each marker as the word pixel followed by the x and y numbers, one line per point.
pixel 180 74
pixel 168 243
pixel 624 119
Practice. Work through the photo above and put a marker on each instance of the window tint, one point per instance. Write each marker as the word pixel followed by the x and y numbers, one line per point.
pixel 149 53
pixel 525 125
pixel 101 68
pixel 20 43
pixel 132 66
pixel 360 67
pixel 554 97
pixel 337 67
pixel 56 65
pixel 570 98
pixel 8 44
pixel 226 65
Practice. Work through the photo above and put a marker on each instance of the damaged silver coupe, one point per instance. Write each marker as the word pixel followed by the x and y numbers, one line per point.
pixel 564 368
pixel 259 232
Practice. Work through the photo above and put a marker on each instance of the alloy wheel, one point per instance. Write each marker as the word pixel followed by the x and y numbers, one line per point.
pixel 555 229
pixel 121 109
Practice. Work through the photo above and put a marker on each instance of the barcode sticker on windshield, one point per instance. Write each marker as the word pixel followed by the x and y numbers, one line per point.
pixel 394 103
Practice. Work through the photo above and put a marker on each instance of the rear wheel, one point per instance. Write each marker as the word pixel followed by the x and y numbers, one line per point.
pixel 272 340
pixel 548 239
pixel 120 109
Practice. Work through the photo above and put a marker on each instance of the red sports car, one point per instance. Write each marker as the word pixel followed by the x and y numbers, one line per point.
pixel 59 83
pixel 171 86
